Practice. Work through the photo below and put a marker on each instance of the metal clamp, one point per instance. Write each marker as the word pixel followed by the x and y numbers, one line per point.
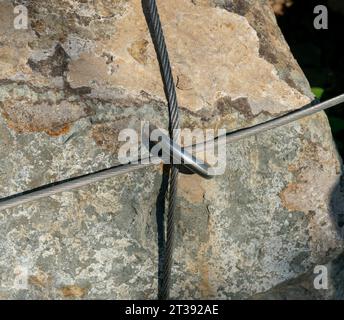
pixel 180 156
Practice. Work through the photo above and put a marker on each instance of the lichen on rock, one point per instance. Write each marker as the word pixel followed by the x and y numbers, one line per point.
pixel 84 70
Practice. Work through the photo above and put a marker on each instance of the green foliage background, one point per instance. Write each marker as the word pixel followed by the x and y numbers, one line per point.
pixel 320 55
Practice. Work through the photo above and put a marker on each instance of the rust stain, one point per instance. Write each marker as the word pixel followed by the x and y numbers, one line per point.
pixel 191 188
pixel 201 264
pixel 38 25
pixel 35 128
pixel 310 178
pixel 138 51
pixel 205 286
pixel 55 132
pixel 73 291
pixel 288 194
pixel 201 267
pixel 53 118
pixel 106 136
pixel 40 280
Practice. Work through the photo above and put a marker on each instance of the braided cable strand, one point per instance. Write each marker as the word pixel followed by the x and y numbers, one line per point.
pixel 234 136
pixel 165 66
pixel 170 91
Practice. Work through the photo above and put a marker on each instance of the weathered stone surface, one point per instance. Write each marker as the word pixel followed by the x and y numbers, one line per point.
pixel 86 69
pixel 279 6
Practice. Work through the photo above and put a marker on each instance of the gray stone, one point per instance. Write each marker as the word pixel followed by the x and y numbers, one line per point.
pixel 85 70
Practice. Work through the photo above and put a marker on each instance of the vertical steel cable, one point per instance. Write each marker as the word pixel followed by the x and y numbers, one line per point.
pixel 170 91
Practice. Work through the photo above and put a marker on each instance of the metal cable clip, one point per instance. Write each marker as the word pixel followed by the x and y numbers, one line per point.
pixel 172 153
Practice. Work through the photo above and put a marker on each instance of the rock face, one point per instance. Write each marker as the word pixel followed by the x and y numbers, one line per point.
pixel 279 6
pixel 84 70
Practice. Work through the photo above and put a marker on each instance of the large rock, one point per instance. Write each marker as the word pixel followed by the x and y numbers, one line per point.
pixel 82 71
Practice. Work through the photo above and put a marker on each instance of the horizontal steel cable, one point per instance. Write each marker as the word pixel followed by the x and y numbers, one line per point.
pixel 78 182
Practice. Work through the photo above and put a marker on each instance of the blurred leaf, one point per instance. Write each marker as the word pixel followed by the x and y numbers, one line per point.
pixel 318 92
